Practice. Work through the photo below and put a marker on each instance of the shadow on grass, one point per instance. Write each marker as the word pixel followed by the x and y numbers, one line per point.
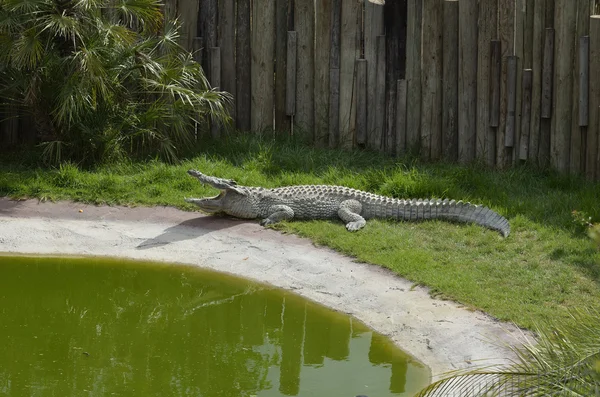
pixel 189 230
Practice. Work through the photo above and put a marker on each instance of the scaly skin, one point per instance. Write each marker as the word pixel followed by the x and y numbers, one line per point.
pixel 352 206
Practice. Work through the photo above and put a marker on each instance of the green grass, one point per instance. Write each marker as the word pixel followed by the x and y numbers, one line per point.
pixel 544 268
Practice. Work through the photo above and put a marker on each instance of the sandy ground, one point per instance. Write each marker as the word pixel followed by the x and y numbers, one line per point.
pixel 443 335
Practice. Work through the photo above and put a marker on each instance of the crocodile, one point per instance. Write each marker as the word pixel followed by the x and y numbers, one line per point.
pixel 354 207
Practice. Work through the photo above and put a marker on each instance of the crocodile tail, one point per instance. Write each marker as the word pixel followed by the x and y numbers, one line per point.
pixel 450 210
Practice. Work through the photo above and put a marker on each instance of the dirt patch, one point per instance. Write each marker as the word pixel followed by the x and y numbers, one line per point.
pixel 442 334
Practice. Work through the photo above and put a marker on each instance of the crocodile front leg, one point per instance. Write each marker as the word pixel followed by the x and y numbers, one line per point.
pixel 349 212
pixel 278 213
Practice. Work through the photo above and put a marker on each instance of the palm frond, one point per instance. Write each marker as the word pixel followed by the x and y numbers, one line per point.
pixel 562 361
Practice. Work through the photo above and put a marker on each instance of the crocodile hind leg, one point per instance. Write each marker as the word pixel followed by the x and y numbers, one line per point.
pixel 349 212
pixel 278 213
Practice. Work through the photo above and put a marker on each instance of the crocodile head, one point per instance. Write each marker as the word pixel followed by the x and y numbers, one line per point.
pixel 210 205
pixel 232 199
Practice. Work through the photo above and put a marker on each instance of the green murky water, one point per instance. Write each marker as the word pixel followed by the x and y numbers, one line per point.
pixel 91 327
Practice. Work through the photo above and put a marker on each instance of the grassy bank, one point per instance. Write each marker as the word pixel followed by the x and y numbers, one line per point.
pixel 547 265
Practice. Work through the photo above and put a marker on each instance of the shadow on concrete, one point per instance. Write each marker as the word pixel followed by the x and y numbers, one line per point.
pixel 188 230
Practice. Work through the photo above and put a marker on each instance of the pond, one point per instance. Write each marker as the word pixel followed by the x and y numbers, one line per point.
pixel 103 327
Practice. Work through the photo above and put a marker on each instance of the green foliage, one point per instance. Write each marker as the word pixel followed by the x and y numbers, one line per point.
pixel 564 360
pixel 103 79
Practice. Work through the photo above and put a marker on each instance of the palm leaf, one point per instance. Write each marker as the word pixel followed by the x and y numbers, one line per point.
pixel 562 361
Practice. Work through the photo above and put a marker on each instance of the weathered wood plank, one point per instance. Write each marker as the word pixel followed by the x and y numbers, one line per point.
pixel 227 44
pixel 450 81
pixel 495 82
pixel 584 78
pixel 431 77
pixel 467 79
pixel 304 22
pixel 565 23
pixel 528 32
pixel 414 12
pixel 485 140
pixel 547 88
pixel 375 138
pixel 373 27
pixel 290 89
pixel 536 94
pixel 520 17
pixel 506 33
pixel 197 49
pixel 577 149
pixel 282 121
pixel 525 114
pixel 401 93
pixel 242 66
pixel 511 101
pixel 592 162
pixel 395 25
pixel 349 52
pixel 322 52
pixel 187 13
pixel 262 67
pixel 215 80
pixel 208 29
pixel 361 101
pixel 334 74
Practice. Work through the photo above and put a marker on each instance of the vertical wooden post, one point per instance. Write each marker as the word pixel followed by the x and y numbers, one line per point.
pixel 197 49
pixel 227 44
pixel 208 28
pixel 334 74
pixel 215 79
pixel 373 27
pixel 187 13
pixel 450 81
pixel 520 17
pixel 485 142
pixel 263 54
pixel 375 138
pixel 592 163
pixel 536 94
pixel 547 73
pixel 511 101
pixel 361 101
pixel 547 88
pixel 290 85
pixel 565 22
pixel 525 114
pixel 401 93
pixel 495 82
pixel 304 22
pixel 584 78
pixel 528 32
pixel 431 116
pixel 242 65
pixel 414 20
pixel 321 74
pixel 349 51
pixel 282 121
pixel 467 79
pixel 395 26
pixel 506 33
pixel 577 144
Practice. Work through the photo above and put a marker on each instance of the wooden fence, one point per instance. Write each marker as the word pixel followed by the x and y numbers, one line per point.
pixel 499 81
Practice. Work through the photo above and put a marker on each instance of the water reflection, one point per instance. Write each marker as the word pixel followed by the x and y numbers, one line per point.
pixel 107 328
